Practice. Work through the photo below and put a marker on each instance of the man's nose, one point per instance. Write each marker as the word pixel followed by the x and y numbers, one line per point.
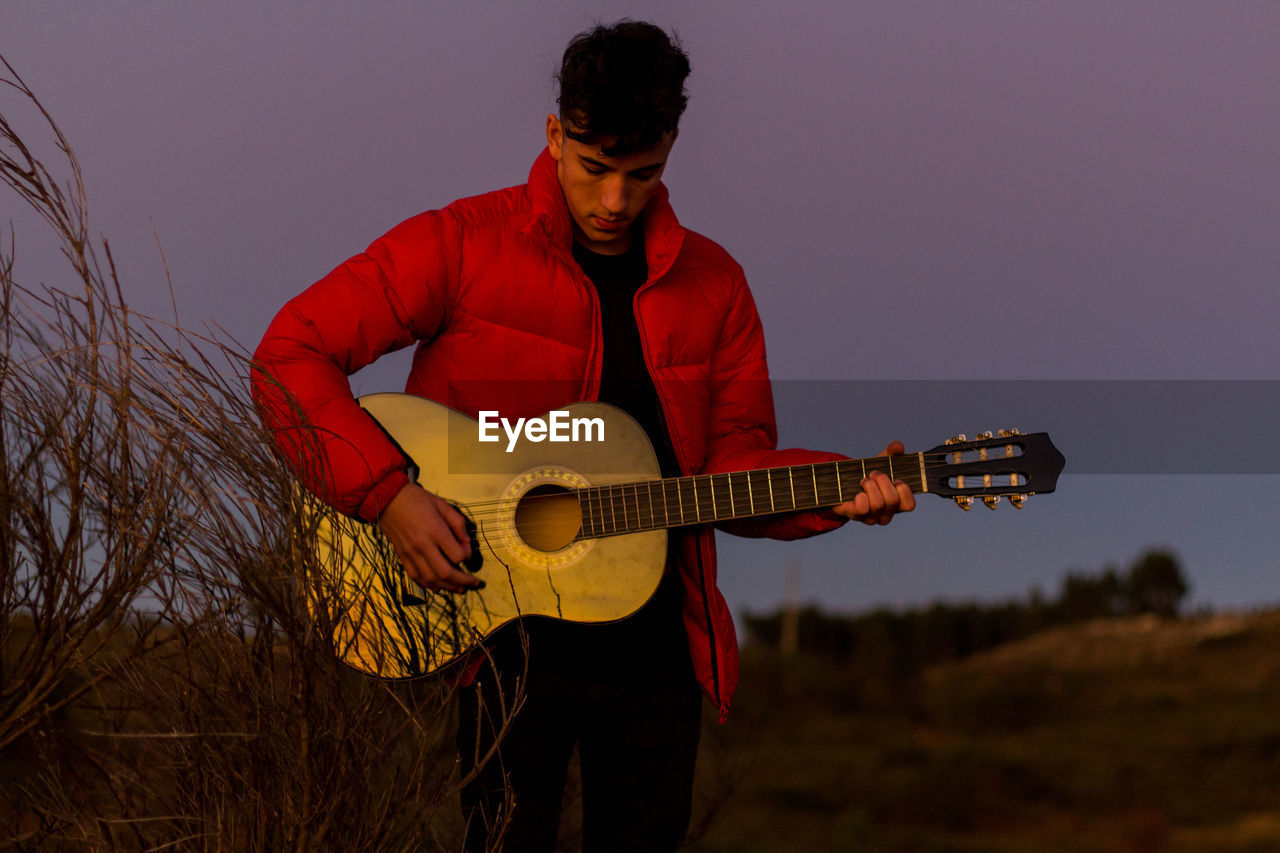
pixel 614 197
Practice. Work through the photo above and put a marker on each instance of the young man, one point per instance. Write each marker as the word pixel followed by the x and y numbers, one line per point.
pixel 579 285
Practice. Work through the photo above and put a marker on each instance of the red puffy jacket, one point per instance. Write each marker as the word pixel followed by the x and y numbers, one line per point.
pixel 489 291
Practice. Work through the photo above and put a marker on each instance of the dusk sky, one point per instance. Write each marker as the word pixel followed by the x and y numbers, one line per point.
pixel 968 193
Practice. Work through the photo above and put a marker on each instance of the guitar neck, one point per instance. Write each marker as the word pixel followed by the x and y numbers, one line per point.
pixel 708 498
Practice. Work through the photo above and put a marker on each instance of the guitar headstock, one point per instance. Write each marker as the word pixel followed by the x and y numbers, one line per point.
pixel 992 465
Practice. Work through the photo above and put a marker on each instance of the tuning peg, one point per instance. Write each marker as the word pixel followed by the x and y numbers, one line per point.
pixel 964 502
pixel 991 500
pixel 1017 500
pixel 956 439
pixel 1005 433
pixel 983 436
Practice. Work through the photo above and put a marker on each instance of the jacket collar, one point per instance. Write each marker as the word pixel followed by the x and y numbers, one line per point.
pixel 663 234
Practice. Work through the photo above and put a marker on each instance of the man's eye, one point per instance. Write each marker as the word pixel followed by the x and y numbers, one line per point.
pixel 594 170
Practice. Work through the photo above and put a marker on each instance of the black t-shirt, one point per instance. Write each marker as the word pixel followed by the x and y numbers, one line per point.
pixel 624 379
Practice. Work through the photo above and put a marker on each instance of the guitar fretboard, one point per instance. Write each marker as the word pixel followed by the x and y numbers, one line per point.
pixel 707 498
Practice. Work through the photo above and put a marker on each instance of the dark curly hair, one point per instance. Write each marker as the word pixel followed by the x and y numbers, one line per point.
pixel 623 83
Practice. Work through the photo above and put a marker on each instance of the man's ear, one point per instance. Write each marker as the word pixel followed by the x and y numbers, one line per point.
pixel 555 136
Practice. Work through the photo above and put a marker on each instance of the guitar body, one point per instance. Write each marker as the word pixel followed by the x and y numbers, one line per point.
pixel 526 547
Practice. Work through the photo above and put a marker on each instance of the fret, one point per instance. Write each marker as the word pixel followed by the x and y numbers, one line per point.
pixel 771 507
pixel 622 497
pixel 736 497
pixel 689 489
pixel 791 479
pixel 708 495
pixel 721 496
pixel 648 489
pixel 804 497
pixel 776 476
pixel 839 484
pixel 752 476
pixel 822 484
pixel 813 472
pixel 740 508
pixel 635 497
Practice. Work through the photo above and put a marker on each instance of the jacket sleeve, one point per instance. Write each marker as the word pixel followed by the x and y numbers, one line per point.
pixel 396 292
pixel 742 432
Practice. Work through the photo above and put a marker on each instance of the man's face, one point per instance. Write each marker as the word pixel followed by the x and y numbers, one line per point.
pixel 605 194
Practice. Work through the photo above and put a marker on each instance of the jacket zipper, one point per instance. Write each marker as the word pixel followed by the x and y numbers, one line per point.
pixel 676 446
pixel 592 391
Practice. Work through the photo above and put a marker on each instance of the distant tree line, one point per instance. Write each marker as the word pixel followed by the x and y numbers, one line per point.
pixel 893 643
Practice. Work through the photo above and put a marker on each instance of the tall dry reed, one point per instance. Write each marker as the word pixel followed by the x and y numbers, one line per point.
pixel 163 682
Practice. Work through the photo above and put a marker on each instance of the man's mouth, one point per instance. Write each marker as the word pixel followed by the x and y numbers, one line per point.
pixel 608 224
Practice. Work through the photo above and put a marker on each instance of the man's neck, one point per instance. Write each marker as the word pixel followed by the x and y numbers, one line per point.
pixel 588 249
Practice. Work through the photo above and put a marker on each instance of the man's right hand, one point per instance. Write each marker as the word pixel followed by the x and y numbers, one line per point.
pixel 430 538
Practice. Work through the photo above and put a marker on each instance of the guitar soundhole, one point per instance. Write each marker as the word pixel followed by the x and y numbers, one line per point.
pixel 548 517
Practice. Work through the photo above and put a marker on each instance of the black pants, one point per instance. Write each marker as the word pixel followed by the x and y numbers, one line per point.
pixel 625 694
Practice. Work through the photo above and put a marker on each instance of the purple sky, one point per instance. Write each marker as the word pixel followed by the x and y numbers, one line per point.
pixel 959 191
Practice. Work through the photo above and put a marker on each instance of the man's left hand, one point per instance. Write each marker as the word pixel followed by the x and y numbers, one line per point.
pixel 881 498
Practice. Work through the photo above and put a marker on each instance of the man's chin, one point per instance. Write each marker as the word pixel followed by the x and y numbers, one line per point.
pixel 605 242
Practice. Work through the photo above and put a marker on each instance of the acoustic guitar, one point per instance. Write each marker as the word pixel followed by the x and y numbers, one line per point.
pixel 569 514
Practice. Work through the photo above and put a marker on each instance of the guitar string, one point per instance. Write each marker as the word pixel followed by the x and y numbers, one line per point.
pixel 498 527
pixel 501 505
pixel 614 507
pixel 499 513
